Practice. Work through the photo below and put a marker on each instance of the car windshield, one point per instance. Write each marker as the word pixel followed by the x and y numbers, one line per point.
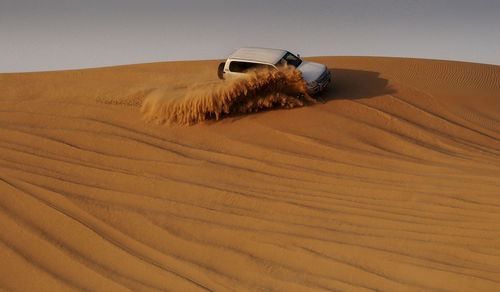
pixel 290 59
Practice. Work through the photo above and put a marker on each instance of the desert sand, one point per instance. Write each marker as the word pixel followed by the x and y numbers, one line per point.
pixel 391 184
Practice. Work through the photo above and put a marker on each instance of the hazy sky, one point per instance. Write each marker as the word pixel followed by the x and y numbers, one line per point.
pixel 40 35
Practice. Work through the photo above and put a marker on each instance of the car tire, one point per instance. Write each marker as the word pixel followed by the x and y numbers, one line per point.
pixel 220 70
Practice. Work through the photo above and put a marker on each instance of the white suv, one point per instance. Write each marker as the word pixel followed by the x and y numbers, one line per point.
pixel 240 61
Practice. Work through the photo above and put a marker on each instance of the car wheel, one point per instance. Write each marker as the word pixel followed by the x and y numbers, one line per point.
pixel 220 70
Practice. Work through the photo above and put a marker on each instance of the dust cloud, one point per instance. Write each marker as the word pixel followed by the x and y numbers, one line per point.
pixel 257 90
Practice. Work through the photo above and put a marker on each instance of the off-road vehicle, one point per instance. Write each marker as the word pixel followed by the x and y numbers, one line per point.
pixel 242 60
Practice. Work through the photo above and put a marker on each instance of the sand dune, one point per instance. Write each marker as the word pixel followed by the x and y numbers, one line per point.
pixel 393 184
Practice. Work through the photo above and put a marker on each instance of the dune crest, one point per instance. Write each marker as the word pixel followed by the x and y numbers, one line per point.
pixel 258 90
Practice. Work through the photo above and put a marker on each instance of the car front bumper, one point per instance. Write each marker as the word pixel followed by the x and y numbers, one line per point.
pixel 321 83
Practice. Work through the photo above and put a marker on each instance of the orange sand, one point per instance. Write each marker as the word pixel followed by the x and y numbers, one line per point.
pixel 392 184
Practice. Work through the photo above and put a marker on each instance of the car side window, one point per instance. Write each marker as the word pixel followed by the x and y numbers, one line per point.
pixel 241 67
pixel 236 66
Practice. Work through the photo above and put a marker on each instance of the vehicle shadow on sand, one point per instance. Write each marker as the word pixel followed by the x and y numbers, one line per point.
pixel 354 84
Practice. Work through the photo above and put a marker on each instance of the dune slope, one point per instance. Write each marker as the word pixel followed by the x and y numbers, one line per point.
pixel 392 184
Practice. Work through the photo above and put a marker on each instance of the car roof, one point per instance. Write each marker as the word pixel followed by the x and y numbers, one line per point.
pixel 264 55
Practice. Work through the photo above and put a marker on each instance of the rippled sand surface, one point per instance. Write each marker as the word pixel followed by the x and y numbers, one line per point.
pixel 391 184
